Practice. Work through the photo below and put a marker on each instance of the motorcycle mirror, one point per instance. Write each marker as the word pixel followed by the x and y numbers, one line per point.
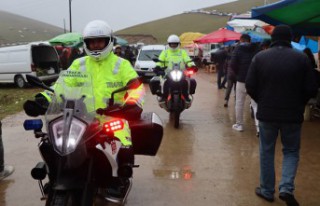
pixel 35 81
pixel 132 84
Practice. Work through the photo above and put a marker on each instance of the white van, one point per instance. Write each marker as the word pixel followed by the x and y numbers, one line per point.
pixel 144 63
pixel 38 58
pixel 209 49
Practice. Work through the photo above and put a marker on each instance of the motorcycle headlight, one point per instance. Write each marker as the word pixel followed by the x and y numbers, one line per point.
pixel 176 75
pixel 65 142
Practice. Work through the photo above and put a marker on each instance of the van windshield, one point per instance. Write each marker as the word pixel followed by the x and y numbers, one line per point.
pixel 147 55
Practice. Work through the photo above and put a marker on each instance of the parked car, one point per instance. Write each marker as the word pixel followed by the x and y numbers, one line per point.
pixel 144 64
pixel 38 58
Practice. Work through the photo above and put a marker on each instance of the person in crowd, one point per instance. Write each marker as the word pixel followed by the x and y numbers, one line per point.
pixel 265 44
pixel 5 170
pixel 109 73
pixel 219 58
pixel 239 63
pixel 281 81
pixel 118 51
pixel 231 79
pixel 316 72
pixel 173 55
pixel 64 58
pixel 128 55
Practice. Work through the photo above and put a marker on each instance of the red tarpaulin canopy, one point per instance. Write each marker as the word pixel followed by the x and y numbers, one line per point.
pixel 221 35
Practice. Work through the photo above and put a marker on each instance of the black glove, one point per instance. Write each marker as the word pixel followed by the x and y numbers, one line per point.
pixel 127 111
pixel 159 70
pixel 33 109
pixel 37 107
pixel 109 110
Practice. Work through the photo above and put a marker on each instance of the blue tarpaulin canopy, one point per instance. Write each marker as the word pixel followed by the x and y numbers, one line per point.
pixel 311 44
pixel 257 36
pixel 298 46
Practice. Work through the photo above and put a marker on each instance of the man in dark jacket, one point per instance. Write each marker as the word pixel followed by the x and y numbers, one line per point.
pixel 281 81
pixel 239 63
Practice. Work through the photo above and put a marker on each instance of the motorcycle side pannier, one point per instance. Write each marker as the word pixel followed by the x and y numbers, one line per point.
pixel 146 134
pixel 154 84
pixel 193 86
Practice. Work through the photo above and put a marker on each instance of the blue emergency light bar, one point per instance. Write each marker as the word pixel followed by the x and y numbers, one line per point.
pixel 33 124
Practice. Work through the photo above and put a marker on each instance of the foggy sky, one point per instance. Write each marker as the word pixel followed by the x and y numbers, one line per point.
pixel 118 13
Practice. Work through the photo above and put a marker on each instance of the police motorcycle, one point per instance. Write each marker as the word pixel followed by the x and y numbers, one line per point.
pixel 80 148
pixel 175 102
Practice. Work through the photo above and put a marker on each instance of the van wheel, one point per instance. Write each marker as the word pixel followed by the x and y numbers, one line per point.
pixel 19 81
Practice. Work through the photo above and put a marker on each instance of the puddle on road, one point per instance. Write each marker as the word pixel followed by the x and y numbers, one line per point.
pixel 184 173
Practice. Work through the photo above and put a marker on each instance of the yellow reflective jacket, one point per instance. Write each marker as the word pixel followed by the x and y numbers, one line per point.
pixel 169 56
pixel 109 75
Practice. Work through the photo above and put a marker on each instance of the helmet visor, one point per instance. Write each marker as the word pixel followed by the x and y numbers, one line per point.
pixel 173 45
pixel 97 44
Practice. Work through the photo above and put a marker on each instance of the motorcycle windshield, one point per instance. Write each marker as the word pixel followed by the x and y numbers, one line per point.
pixel 176 65
pixel 71 110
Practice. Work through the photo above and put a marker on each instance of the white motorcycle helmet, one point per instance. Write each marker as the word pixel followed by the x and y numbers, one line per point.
pixel 173 39
pixel 98 29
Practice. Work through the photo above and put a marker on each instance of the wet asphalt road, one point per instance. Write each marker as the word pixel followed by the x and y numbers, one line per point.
pixel 202 163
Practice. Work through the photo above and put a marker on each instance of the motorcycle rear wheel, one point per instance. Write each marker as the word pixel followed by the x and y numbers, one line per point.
pixel 176 119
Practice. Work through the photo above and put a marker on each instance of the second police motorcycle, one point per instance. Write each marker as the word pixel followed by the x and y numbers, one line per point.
pixel 83 158
pixel 175 73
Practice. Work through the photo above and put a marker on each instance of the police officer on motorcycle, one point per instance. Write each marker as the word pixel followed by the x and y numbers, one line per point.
pixel 109 73
pixel 174 54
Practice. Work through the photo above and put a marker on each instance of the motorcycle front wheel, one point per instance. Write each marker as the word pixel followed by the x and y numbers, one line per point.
pixel 177 110
pixel 69 198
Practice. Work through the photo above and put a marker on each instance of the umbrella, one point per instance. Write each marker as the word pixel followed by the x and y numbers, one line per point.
pixel 67 39
pixel 302 15
pixel 121 41
pixel 219 36
pixel 188 37
pixel 256 36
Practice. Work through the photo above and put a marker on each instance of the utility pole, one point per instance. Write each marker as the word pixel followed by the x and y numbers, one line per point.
pixel 70 15
pixel 64 25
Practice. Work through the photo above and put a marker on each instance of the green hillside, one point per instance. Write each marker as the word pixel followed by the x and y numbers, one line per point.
pixel 19 29
pixel 192 22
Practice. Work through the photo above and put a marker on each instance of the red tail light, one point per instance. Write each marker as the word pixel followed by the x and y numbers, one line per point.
pixel 113 125
pixel 189 72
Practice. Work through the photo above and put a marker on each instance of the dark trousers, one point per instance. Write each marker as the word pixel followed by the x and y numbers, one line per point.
pixel 230 84
pixel 183 85
pixel 221 83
